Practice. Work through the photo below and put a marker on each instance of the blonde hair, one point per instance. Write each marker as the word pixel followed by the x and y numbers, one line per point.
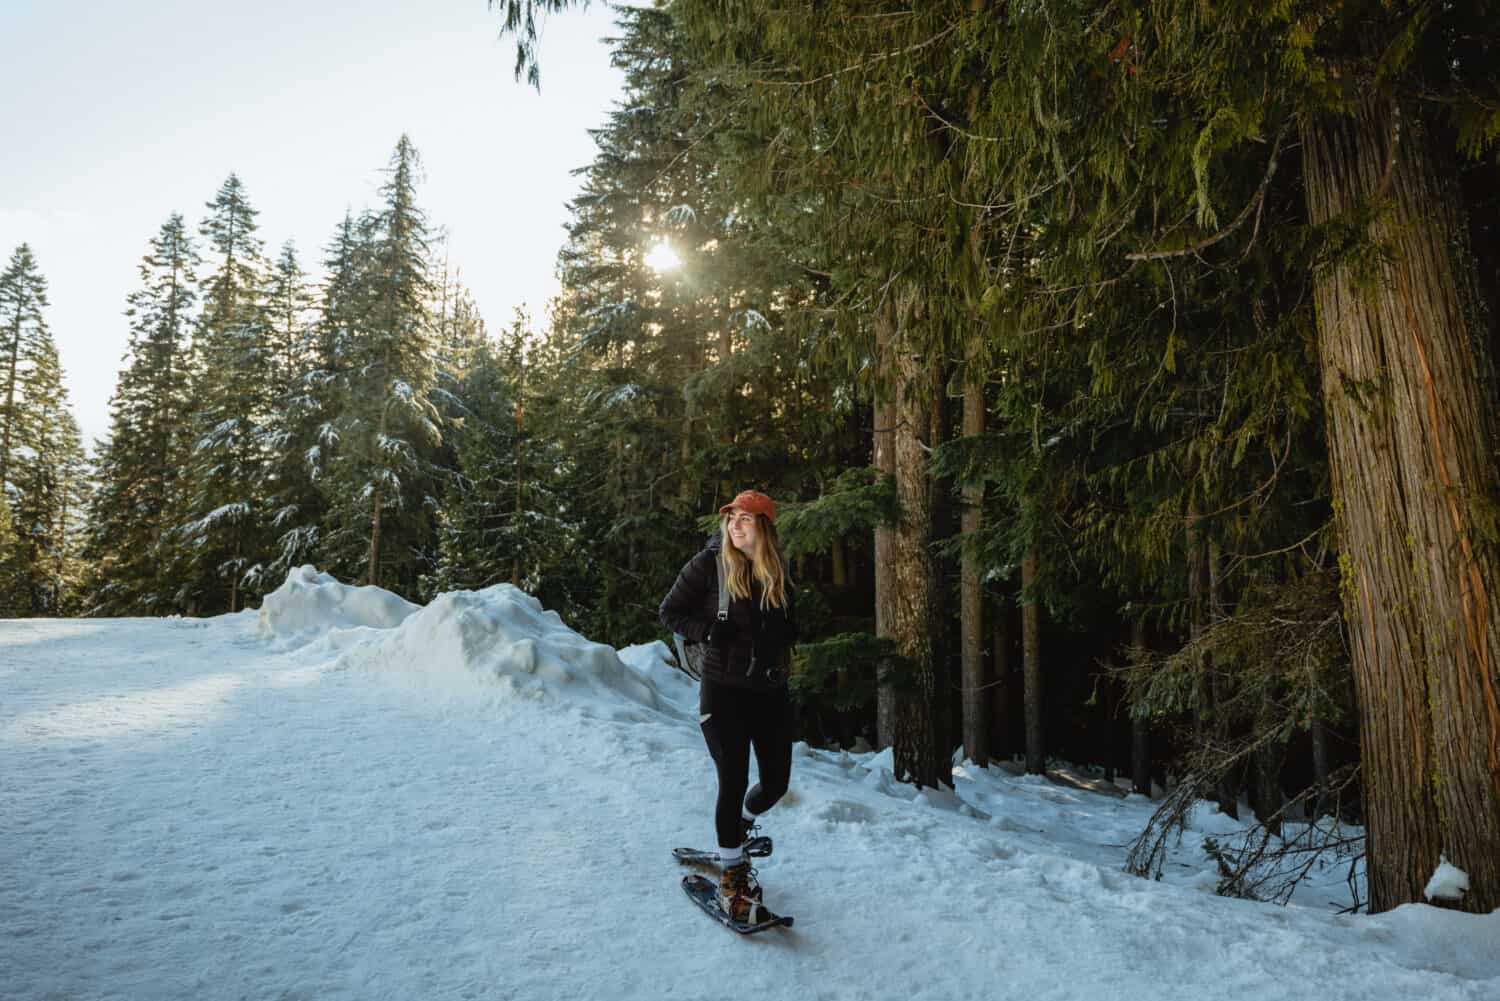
pixel 765 565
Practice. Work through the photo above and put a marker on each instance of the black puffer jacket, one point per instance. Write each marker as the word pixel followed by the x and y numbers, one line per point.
pixel 753 655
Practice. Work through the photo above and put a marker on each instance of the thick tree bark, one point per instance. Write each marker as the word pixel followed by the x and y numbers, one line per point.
pixel 920 757
pixel 1031 666
pixel 976 722
pixel 1412 434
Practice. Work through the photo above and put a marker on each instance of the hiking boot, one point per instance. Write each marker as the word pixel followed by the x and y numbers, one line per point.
pixel 740 894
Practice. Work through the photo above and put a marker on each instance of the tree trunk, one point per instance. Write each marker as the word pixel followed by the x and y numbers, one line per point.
pixel 940 529
pixel 1031 657
pixel 1412 418
pixel 1207 727
pixel 1265 786
pixel 971 587
pixel 1229 781
pixel 1319 734
pixel 373 577
pixel 885 581
pixel 1140 728
pixel 234 577
pixel 840 565
pixel 920 757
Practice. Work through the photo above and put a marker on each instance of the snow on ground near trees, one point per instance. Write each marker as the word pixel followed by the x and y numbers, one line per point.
pixel 339 797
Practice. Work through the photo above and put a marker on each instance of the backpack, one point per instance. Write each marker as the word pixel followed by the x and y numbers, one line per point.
pixel 691 653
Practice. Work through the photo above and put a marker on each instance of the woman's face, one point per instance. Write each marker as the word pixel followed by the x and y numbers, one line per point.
pixel 744 531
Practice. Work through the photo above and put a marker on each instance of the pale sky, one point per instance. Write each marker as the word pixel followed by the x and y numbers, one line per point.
pixel 118 114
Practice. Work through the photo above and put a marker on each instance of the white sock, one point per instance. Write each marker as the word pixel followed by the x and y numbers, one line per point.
pixel 730 856
pixel 750 817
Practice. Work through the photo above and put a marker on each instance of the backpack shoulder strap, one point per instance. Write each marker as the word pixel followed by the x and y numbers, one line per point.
pixel 723 587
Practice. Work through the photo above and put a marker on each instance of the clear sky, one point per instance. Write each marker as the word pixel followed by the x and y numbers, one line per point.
pixel 118 114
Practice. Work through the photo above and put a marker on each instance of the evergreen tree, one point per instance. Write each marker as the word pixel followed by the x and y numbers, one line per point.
pixel 23 296
pixel 502 514
pixel 294 503
pixel 136 565
pixel 12 573
pixel 226 531
pixel 41 464
pixel 340 312
pixel 52 485
pixel 380 480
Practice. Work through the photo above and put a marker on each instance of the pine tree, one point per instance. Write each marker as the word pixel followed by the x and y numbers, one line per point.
pixel 50 475
pixel 294 504
pixel 227 527
pixel 23 296
pixel 12 573
pixel 385 427
pixel 502 515
pixel 137 565
pixel 340 314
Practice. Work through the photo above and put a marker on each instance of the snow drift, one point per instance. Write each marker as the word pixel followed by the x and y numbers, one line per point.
pixel 310 603
pixel 462 638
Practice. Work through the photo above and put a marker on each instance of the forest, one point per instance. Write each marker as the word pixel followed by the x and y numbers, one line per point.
pixel 1125 373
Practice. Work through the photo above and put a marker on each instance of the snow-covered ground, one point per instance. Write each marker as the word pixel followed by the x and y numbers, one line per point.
pixel 346 796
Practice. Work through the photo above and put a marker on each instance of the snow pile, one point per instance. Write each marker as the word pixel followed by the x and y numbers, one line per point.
pixel 656 663
pixel 1421 937
pixel 310 603
pixel 501 634
pixel 1448 882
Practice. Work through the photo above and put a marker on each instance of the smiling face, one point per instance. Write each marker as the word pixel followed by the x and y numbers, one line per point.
pixel 744 531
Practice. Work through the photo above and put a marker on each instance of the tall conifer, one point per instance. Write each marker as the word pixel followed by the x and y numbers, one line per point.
pixel 380 482
pixel 294 503
pixel 136 564
pixel 23 296
pixel 227 526
pixel 52 486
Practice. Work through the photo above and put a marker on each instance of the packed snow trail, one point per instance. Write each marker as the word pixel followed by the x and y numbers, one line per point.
pixel 196 809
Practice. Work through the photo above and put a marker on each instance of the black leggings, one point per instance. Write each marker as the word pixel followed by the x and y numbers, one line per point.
pixel 734 720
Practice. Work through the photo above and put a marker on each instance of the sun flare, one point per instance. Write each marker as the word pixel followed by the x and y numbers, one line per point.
pixel 663 258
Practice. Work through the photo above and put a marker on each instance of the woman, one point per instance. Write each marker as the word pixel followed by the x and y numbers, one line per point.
pixel 743 701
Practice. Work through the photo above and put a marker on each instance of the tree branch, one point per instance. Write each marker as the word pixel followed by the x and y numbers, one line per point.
pixel 1239 220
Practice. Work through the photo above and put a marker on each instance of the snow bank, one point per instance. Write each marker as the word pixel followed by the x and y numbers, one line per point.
pixel 310 603
pixel 1423 937
pixel 655 663
pixel 503 634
